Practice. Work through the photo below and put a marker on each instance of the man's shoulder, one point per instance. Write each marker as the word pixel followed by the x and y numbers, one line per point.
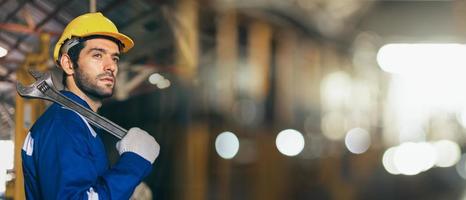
pixel 59 115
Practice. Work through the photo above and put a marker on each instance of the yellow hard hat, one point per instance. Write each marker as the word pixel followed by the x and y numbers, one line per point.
pixel 91 24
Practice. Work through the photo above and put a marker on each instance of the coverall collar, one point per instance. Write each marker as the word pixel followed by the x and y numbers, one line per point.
pixel 75 98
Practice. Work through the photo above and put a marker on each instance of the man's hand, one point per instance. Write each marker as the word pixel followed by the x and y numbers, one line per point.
pixel 139 142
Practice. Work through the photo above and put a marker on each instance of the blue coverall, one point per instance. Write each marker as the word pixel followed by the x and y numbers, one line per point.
pixel 64 158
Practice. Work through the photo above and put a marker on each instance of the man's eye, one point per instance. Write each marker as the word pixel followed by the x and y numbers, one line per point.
pixel 97 55
pixel 116 59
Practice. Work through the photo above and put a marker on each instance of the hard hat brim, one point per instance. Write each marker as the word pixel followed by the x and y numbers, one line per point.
pixel 125 40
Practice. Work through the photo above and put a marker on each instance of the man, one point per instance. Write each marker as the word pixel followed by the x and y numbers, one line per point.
pixel 63 157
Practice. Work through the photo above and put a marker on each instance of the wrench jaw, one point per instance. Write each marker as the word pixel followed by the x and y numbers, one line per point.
pixel 37 74
pixel 45 76
pixel 44 81
pixel 30 91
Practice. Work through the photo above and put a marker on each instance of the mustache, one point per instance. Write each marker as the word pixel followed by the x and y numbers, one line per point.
pixel 105 74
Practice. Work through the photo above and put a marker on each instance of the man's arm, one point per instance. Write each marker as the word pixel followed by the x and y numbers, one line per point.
pixel 77 174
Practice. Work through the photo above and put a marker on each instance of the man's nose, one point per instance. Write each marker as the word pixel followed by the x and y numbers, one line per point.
pixel 110 64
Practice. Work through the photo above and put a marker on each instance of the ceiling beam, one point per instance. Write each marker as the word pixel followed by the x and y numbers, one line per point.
pixel 52 14
pixel 10 44
pixel 13 13
pixel 45 11
pixel 2 2
pixel 43 22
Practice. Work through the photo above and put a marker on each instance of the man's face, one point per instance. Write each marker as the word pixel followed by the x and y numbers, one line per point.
pixel 97 68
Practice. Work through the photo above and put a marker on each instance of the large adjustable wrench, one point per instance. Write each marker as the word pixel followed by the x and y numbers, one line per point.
pixel 43 88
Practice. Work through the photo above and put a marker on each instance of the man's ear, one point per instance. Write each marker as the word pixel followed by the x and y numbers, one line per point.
pixel 66 64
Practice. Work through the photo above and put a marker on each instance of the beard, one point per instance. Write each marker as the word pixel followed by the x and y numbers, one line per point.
pixel 89 85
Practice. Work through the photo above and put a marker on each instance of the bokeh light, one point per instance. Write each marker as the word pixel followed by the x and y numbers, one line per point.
pixel 388 161
pixel 159 81
pixel 290 142
pixel 165 83
pixel 7 159
pixel 357 140
pixel 227 145
pixel 3 52
pixel 428 58
pixel 155 78
pixel 412 158
pixel 449 153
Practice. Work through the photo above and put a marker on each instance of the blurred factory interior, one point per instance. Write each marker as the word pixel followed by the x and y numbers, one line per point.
pixel 267 99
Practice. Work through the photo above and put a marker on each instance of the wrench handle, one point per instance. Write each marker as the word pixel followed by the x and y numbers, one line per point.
pixel 93 118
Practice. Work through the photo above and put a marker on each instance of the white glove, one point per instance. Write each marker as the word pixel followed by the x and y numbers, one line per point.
pixel 139 142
